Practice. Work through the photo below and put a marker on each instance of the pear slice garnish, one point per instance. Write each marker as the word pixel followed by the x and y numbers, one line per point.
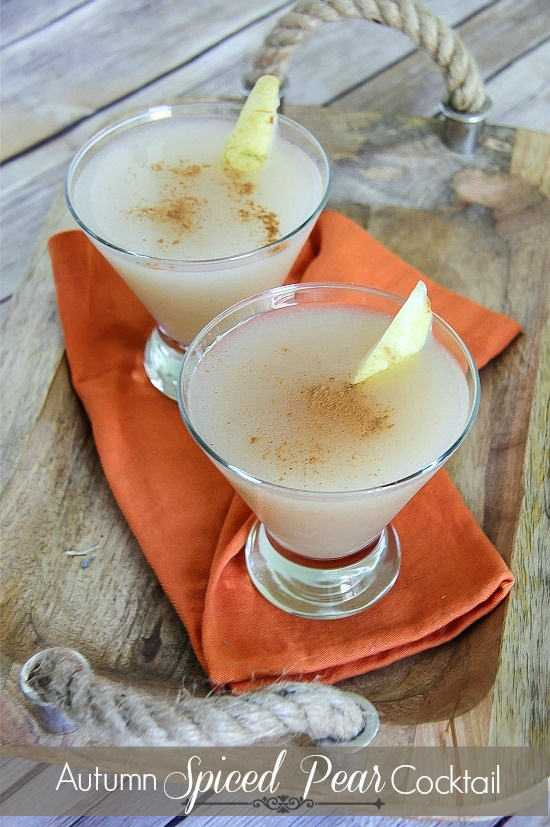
pixel 247 148
pixel 405 336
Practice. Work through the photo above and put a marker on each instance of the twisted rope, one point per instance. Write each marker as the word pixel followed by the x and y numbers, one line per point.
pixel 464 82
pixel 60 680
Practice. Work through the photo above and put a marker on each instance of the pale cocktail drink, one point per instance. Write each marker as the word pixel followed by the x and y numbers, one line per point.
pixel 266 390
pixel 274 398
pixel 325 464
pixel 164 190
pixel 190 235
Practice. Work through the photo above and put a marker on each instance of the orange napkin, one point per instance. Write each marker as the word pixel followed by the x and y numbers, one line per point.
pixel 192 526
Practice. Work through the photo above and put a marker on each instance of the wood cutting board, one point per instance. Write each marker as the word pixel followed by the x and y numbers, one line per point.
pixel 479 225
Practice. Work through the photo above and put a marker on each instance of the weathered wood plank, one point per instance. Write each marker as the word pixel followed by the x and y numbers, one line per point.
pixel 524 674
pixel 341 55
pixel 531 159
pixel 22 18
pixel 388 166
pixel 496 37
pixel 24 207
pixel 31 182
pixel 34 309
pixel 166 35
pixel 521 92
pixel 57 515
pixel 346 61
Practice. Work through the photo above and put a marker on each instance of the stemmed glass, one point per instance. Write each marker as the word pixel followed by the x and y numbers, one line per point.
pixel 184 292
pixel 319 553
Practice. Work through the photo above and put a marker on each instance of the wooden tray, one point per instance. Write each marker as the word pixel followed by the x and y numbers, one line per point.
pixel 479 225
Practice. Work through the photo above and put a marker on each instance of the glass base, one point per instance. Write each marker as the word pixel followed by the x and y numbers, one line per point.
pixel 162 361
pixel 324 593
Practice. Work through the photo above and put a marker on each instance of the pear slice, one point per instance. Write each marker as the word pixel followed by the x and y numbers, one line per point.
pixel 248 146
pixel 405 336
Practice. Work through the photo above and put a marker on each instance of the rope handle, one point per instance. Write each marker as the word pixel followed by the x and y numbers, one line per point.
pixel 467 103
pixel 66 695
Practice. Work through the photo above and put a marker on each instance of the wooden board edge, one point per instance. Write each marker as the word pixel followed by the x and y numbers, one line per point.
pixel 531 158
pixel 519 716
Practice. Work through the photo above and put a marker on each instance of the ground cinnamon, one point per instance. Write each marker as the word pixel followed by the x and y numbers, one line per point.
pixel 176 214
pixel 323 415
pixel 345 405
pixel 180 210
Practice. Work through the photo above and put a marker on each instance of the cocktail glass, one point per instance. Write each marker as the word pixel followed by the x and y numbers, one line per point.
pixel 184 292
pixel 330 553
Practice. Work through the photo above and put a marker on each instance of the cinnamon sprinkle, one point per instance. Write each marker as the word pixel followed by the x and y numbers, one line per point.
pixel 268 220
pixel 179 211
pixel 238 189
pixel 344 404
pixel 179 214
pixel 186 170
pixel 323 414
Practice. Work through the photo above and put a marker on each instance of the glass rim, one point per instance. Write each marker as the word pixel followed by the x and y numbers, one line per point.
pixel 427 469
pixel 164 112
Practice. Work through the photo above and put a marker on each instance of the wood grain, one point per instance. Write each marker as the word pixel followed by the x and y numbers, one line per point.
pixel 528 606
pixel 529 74
pixel 21 18
pixel 354 64
pixel 67 68
pixel 179 34
pixel 474 224
pixel 452 217
pixel 495 37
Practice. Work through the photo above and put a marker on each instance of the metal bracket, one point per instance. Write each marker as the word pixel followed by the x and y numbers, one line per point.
pixel 463 130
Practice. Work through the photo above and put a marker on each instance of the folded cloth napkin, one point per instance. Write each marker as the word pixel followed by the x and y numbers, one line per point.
pixel 192 526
